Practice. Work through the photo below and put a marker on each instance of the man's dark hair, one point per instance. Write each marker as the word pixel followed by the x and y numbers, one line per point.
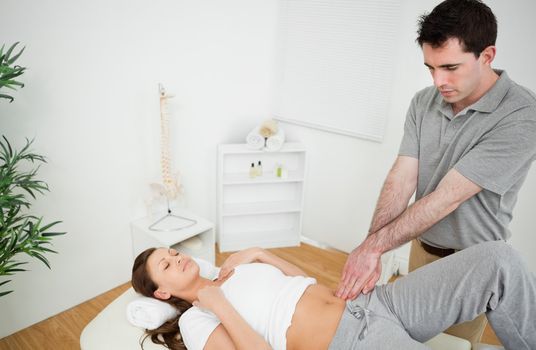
pixel 470 21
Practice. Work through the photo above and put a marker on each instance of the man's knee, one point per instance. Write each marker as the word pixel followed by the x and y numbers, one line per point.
pixel 494 249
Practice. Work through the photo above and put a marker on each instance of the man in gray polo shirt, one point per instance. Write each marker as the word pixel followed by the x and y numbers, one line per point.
pixel 468 144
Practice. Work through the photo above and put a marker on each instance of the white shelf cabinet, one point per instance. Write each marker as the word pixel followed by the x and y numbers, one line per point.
pixel 264 211
pixel 197 240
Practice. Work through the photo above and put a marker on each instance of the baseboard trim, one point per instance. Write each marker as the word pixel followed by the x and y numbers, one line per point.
pixel 317 244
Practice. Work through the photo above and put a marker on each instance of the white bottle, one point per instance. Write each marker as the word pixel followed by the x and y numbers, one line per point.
pixel 252 171
pixel 284 173
pixel 259 169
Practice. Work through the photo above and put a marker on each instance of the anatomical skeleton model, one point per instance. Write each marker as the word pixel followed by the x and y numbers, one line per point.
pixel 170 188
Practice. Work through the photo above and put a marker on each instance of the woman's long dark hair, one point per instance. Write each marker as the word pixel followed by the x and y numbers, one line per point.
pixel 168 334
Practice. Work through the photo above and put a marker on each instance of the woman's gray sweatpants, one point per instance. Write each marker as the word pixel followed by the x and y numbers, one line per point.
pixel 489 277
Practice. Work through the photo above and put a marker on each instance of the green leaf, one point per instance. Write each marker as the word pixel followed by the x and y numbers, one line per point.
pixel 16 83
pixel 9 149
pixel 2 283
pixel 50 234
pixel 27 189
pixel 15 264
pixel 41 257
pixel 8 53
pixel 8 75
pixel 14 238
pixel 46 227
pixel 44 249
pixel 10 87
pixel 7 97
pixel 14 58
pixel 5 293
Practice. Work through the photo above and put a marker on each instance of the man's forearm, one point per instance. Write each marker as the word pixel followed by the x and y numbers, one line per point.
pixel 391 203
pixel 453 190
pixel 394 197
pixel 419 217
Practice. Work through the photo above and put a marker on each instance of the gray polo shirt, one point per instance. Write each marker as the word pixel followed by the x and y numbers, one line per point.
pixel 492 143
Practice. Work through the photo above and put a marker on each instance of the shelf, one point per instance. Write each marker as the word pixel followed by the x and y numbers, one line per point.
pixel 266 210
pixel 268 239
pixel 260 208
pixel 267 177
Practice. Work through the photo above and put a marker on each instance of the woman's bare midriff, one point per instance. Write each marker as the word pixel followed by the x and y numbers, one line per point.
pixel 315 319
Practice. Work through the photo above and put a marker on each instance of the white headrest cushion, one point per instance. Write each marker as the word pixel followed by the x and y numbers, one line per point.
pixel 151 313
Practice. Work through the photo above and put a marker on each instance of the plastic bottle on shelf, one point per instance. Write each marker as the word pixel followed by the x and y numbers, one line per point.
pixel 278 170
pixel 252 171
pixel 284 173
pixel 259 169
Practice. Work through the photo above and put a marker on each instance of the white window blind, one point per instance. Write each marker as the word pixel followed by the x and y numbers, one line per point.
pixel 335 64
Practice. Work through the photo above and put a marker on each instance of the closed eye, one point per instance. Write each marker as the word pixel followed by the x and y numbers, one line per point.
pixel 446 67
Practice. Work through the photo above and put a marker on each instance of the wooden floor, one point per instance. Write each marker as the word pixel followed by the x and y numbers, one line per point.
pixel 62 332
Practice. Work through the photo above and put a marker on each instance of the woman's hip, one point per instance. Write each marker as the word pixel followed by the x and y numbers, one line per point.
pixel 367 323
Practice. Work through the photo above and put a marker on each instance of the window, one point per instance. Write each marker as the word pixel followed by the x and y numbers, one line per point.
pixel 335 64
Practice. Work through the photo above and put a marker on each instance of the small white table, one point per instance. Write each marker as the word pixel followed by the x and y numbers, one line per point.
pixel 196 240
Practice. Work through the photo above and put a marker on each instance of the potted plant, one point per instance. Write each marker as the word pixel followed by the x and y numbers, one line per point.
pixel 20 231
pixel 9 70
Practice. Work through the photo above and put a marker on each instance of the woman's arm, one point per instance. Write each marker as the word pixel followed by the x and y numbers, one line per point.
pixel 250 255
pixel 219 339
pixel 233 332
pixel 288 269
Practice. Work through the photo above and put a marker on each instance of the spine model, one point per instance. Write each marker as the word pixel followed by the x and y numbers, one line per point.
pixel 170 187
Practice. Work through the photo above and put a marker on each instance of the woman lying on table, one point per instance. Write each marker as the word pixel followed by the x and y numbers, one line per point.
pixel 263 302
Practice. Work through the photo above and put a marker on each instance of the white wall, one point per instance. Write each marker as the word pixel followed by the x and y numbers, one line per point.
pixel 91 103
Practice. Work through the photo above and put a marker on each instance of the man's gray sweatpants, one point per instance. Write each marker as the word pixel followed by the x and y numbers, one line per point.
pixel 489 277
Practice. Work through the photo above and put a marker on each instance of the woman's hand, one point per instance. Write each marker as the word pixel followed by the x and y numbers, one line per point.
pixel 209 298
pixel 245 256
pixel 233 332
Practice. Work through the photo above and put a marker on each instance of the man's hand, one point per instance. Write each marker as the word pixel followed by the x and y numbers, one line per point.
pixel 360 273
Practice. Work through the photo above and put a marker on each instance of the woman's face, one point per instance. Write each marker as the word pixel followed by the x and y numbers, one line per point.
pixel 174 273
